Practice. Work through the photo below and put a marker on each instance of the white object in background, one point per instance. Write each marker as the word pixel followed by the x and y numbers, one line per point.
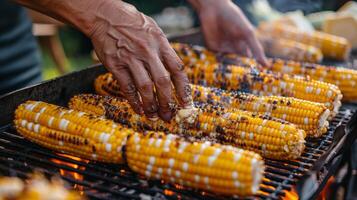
pixel 174 19
pixel 262 11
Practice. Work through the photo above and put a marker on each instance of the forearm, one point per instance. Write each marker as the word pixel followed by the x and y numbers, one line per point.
pixel 200 4
pixel 78 13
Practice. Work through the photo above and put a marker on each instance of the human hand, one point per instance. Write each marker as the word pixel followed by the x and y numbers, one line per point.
pixel 227 30
pixel 136 51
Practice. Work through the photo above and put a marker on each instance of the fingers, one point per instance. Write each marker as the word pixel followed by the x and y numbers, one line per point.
pixel 178 76
pixel 257 49
pixel 243 49
pixel 145 87
pixel 163 87
pixel 127 87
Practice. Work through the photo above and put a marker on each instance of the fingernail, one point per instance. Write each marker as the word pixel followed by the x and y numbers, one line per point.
pixel 166 116
pixel 154 119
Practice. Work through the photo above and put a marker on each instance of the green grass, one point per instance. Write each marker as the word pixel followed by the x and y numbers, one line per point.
pixel 75 63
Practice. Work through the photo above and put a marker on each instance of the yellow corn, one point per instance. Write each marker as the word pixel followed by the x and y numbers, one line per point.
pixel 71 132
pixel 269 137
pixel 201 165
pixel 37 187
pixel 212 167
pixel 345 79
pixel 309 116
pixel 331 46
pixel 203 69
pixel 290 49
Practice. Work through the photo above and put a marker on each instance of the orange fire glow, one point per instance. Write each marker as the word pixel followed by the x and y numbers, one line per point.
pixel 291 195
pixel 327 189
pixel 71 174
pixel 168 192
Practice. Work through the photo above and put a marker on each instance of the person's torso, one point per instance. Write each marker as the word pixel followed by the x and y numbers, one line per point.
pixel 19 58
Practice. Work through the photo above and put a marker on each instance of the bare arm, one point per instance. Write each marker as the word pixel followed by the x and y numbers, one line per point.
pixel 131 46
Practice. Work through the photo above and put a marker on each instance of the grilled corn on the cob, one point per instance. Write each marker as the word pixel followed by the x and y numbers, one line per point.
pixel 212 167
pixel 204 69
pixel 72 132
pixel 345 79
pixel 271 138
pixel 331 46
pixel 309 116
pixel 290 49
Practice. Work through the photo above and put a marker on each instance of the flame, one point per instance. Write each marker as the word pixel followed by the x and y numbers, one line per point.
pixel 291 195
pixel 177 186
pixel 327 189
pixel 74 175
pixel 168 192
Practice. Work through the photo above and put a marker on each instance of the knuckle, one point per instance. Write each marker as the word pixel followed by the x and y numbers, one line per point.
pixel 163 81
pixel 146 86
pixel 249 33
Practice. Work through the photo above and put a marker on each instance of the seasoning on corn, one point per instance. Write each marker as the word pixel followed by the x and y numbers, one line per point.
pixel 309 116
pixel 203 69
pixel 331 46
pixel 345 79
pixel 212 167
pixel 71 132
pixel 37 187
pixel 289 49
pixel 270 137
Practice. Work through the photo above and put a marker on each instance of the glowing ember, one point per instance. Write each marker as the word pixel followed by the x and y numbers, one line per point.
pixel 71 174
pixel 325 193
pixel 168 192
pixel 180 187
pixel 291 195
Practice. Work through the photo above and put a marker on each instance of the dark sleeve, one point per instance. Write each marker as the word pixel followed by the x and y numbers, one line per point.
pixel 19 56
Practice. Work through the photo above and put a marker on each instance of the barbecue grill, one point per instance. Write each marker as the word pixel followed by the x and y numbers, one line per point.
pixel 304 177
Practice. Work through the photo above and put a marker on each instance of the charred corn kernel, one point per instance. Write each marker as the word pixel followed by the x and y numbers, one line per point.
pixel 345 79
pixel 290 49
pixel 154 155
pixel 331 46
pixel 209 72
pixel 37 187
pixel 71 132
pixel 270 137
pixel 218 168
pixel 307 115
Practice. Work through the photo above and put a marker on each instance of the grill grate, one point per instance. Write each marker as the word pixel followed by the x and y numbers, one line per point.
pixel 18 157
